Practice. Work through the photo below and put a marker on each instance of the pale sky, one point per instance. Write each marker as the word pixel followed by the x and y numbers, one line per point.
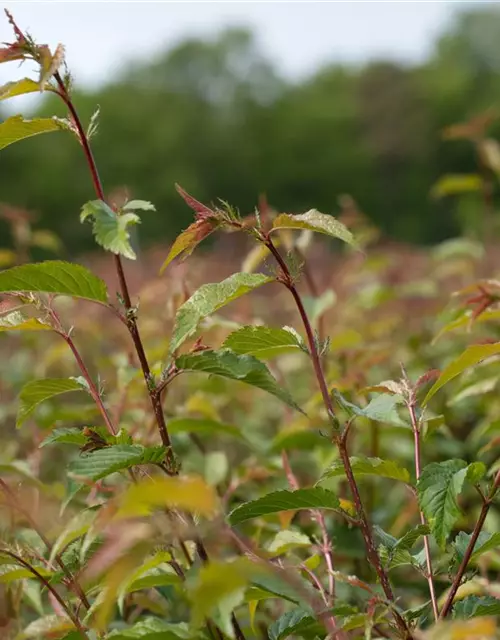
pixel 102 36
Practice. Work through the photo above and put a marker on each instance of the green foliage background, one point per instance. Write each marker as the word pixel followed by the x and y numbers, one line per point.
pixel 216 117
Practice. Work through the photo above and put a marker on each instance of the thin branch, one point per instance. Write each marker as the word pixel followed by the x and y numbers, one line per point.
pixel 416 435
pixel 470 547
pixel 373 557
pixel 154 397
pixel 74 619
pixel 72 581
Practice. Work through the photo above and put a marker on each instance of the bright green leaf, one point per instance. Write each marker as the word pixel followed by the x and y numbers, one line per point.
pixel 382 408
pixel 17 128
pixel 438 489
pixel 485 542
pixel 208 299
pixel 103 462
pixel 230 365
pixel 111 230
pixel 368 466
pixel 19 88
pixel 65 435
pixel 286 540
pixel 312 498
pixel 54 276
pixel 470 357
pixel 139 205
pixel 35 392
pixel 291 623
pixel 17 321
pixel 315 221
pixel 263 342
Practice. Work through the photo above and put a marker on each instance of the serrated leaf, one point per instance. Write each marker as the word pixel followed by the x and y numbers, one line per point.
pixel 485 542
pixel 208 299
pixel 315 221
pixel 368 466
pixel 438 489
pixel 102 463
pixel 154 629
pixel 203 425
pixel 18 88
pixel 411 537
pixel 476 472
pixel 110 229
pixel 470 357
pixel 262 342
pixel 35 392
pixel 312 498
pixel 54 276
pixel 291 623
pixel 452 184
pixel 230 365
pixel 65 435
pixel 17 321
pixel 76 527
pixel 139 205
pixel 476 606
pixel 17 128
pixel 190 493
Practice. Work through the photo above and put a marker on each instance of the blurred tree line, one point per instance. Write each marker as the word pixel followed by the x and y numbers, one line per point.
pixel 216 117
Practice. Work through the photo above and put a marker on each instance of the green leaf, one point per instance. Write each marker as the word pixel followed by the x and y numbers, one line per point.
pixel 203 425
pixel 438 489
pixel 65 435
pixel 109 228
pixel 154 629
pixel 263 342
pixel 316 307
pixel 475 472
pixel 291 623
pixel 382 408
pixel 139 205
pixel 315 221
pixel 17 321
pixel 217 581
pixel 17 128
pixel 46 627
pixel 465 320
pixel 475 606
pixel 208 299
pixel 470 357
pixel 312 498
pixel 369 466
pixel 19 88
pixel 485 542
pixel 230 365
pixel 452 184
pixel 411 537
pixel 286 540
pixel 35 392
pixel 102 463
pixel 54 276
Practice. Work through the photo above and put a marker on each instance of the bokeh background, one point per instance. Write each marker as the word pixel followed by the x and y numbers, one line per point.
pixel 300 102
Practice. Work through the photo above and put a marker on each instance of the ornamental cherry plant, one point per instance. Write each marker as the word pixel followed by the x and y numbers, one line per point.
pixel 225 479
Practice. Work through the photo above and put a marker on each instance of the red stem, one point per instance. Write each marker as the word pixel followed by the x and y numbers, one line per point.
pixel 470 547
pixel 74 619
pixel 154 396
pixel 372 554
